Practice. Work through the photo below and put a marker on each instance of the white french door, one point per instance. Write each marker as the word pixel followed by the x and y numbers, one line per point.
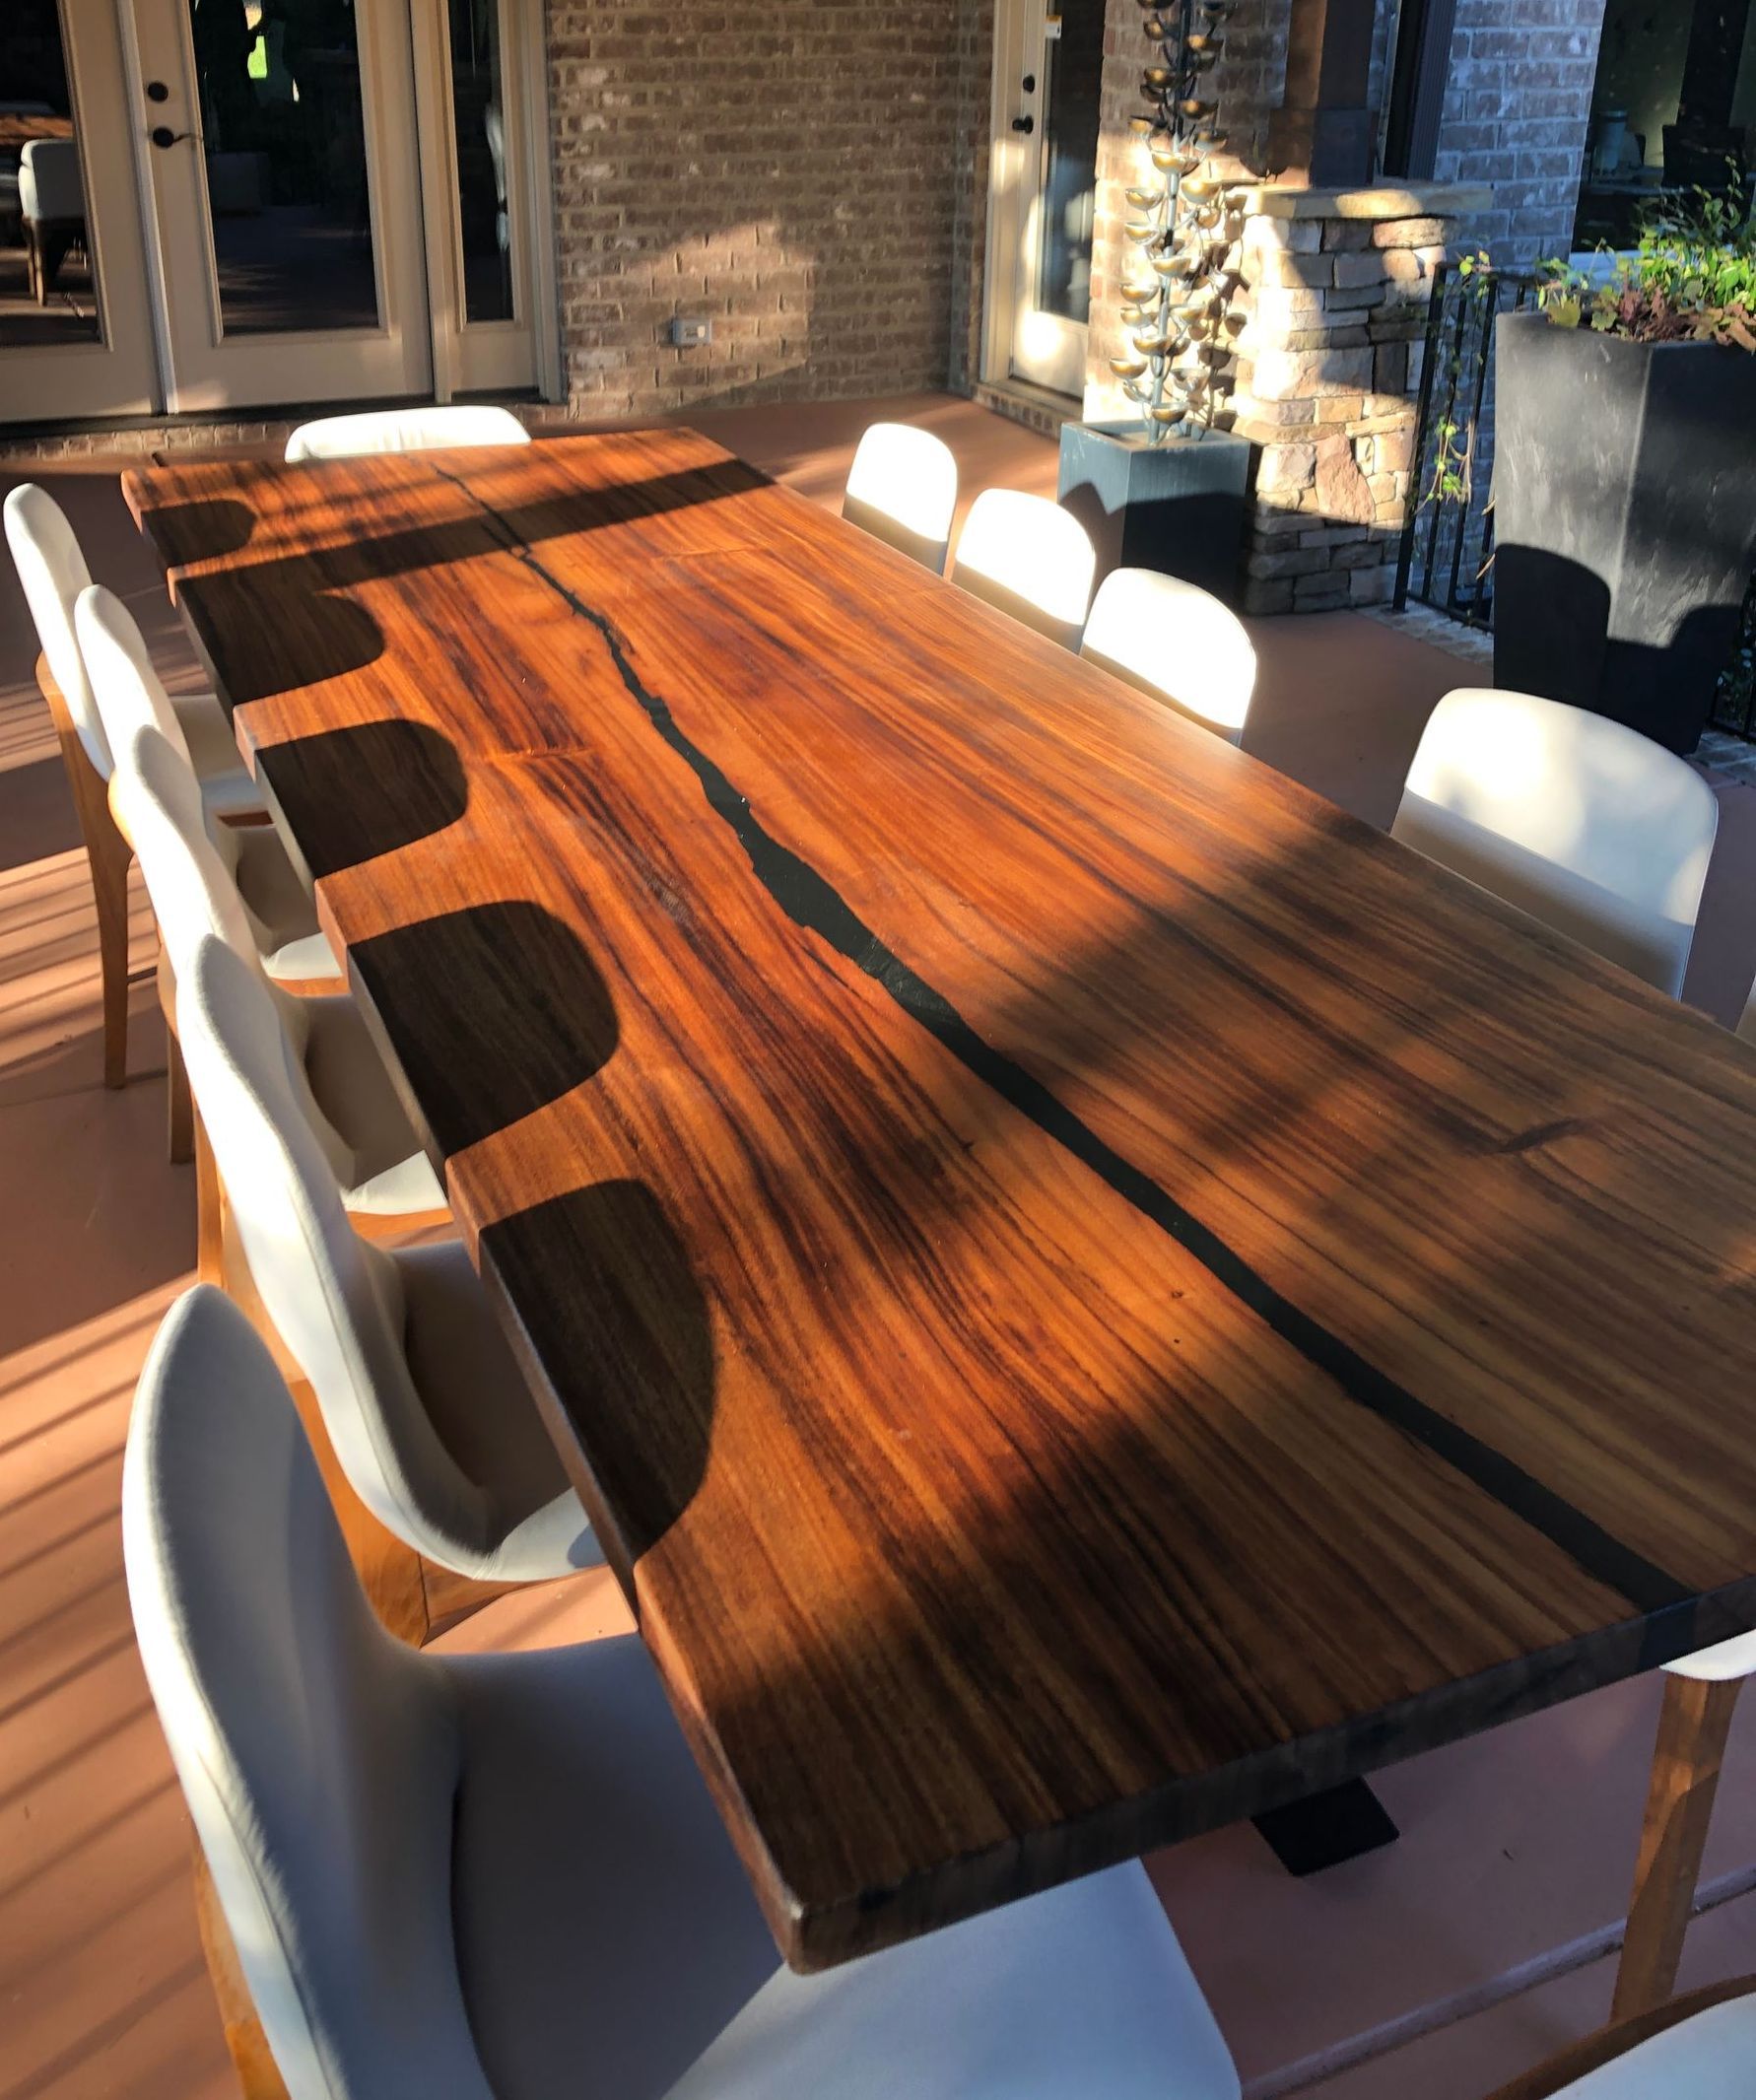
pixel 333 201
pixel 76 336
pixel 285 200
pixel 1049 59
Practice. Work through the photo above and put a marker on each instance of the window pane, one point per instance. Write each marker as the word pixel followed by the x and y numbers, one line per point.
pixel 285 144
pixel 47 293
pixel 1075 64
pixel 477 103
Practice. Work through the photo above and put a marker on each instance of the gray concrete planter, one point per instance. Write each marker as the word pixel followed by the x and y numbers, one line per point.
pixel 1624 520
pixel 1177 507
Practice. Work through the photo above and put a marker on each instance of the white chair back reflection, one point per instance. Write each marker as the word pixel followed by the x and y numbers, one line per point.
pixel 431 1420
pixel 405 430
pixel 1582 821
pixel 902 490
pixel 1175 641
pixel 1029 556
pixel 50 187
pixel 412 1848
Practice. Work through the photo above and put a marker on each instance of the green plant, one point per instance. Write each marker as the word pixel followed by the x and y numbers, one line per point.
pixel 1692 277
pixel 1181 224
pixel 1451 477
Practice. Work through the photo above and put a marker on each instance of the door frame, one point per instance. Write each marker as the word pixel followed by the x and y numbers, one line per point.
pixel 481 357
pixel 1015 191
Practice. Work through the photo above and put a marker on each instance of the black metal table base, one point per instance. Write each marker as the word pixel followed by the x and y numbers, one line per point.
pixel 1341 1823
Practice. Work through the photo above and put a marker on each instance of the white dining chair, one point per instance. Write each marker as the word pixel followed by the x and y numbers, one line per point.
pixel 1029 556
pixel 339 1081
pixel 52 207
pixel 405 430
pixel 502 1877
pixel 1174 641
pixel 901 487
pixel 52 570
pixel 1700 2046
pixel 1580 821
pixel 431 1420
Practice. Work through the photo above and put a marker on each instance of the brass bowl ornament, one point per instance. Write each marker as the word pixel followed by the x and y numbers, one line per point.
pixel 1175 292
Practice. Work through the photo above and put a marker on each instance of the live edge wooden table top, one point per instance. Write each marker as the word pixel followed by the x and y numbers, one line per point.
pixel 1087 1293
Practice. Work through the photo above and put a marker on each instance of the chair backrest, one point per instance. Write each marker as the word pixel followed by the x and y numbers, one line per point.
pixel 1175 640
pixel 335 1301
pixel 901 487
pixel 129 693
pixel 405 430
pixel 1029 556
pixel 319 1757
pixel 1582 821
pixel 50 186
pixel 493 128
pixel 52 569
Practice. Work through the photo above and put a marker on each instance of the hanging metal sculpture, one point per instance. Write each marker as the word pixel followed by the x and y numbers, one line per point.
pixel 1181 227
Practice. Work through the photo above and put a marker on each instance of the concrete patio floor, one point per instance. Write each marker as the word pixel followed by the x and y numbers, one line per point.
pixel 1367 1982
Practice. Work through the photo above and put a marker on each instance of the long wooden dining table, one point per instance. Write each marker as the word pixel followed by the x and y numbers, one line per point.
pixel 1086 1292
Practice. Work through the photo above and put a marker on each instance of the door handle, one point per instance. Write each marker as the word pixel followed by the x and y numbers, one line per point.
pixel 1026 124
pixel 163 136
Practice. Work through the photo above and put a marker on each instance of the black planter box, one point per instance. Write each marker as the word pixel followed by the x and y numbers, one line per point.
pixel 1624 520
pixel 1176 506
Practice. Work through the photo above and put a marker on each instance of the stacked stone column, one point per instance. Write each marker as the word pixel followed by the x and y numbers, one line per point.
pixel 1335 292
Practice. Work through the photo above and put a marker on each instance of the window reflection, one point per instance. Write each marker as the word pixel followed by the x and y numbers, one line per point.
pixel 478 103
pixel 284 136
pixel 1075 64
pixel 46 291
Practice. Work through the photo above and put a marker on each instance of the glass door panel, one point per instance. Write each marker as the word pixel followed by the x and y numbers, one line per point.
pixel 482 116
pixel 283 134
pixel 286 197
pixel 75 339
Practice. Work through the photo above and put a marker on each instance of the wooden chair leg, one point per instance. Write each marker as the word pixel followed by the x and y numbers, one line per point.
pixel 210 1222
pixel 1692 1728
pixel 180 1109
pixel 109 856
pixel 257 2078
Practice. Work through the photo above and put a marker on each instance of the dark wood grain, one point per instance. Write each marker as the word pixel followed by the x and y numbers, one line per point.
pixel 1087 1293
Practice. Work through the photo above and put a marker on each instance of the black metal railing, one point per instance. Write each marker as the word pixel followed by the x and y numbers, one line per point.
pixel 1447 539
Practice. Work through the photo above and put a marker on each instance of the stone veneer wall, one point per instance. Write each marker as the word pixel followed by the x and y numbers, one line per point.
pixel 801 175
pixel 1336 286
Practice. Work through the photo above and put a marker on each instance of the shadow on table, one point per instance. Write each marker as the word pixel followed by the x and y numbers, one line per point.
pixel 613 1329
pixel 351 795
pixel 277 625
pixel 494 1012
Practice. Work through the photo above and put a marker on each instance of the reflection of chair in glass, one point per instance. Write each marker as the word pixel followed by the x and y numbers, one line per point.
pixel 494 124
pixel 52 203
pixel 405 430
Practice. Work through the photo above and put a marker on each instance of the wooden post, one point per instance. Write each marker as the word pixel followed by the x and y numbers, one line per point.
pixel 1692 1729
pixel 1325 131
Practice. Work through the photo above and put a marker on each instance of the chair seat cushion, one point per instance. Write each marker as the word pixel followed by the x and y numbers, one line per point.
pixel 227 790
pixel 293 946
pixel 609 1940
pixel 482 1412
pixel 350 1083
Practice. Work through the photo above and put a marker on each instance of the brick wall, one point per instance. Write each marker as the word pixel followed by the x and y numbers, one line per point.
pixel 1517 106
pixel 793 172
